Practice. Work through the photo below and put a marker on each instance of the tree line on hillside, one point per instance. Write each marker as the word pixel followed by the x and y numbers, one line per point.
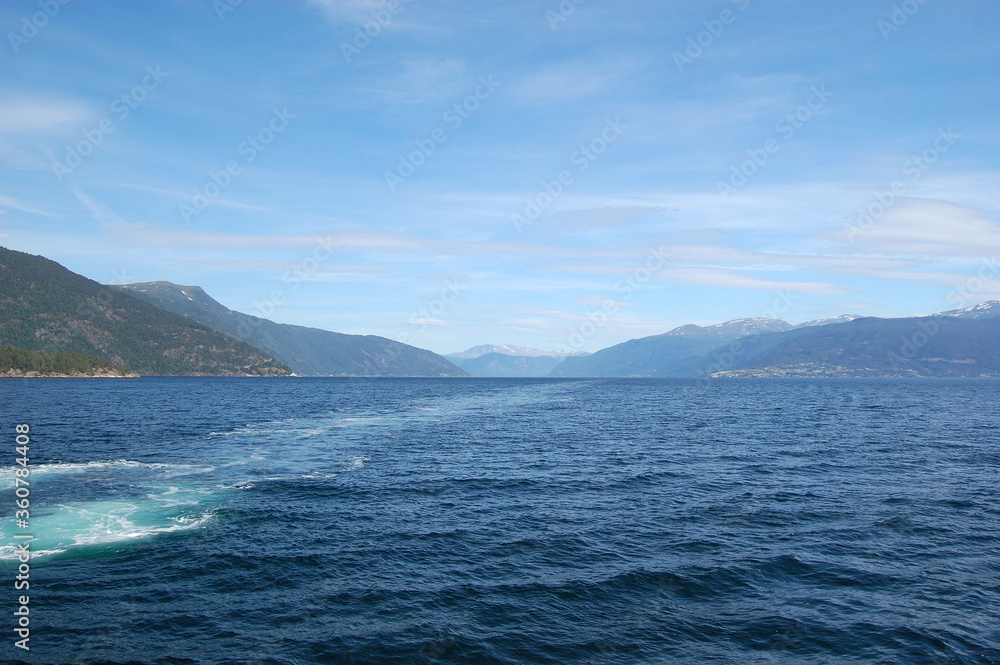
pixel 53 362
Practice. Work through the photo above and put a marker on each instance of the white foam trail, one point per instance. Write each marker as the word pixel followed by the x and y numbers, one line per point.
pixel 175 496
pixel 101 523
pixel 309 433
pixel 317 475
pixel 358 462
pixel 66 468
pixel 119 528
pixel 188 472
pixel 7 553
pixel 262 429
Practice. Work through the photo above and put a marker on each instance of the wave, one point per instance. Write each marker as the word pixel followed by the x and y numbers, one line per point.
pixel 296 428
pixel 317 475
pixel 101 523
pixel 239 485
pixel 358 462
pixel 77 468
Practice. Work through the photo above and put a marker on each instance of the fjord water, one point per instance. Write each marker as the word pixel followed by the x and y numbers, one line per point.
pixel 508 521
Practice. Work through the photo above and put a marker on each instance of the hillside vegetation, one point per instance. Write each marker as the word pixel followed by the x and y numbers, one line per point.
pixel 21 362
pixel 45 307
pixel 308 351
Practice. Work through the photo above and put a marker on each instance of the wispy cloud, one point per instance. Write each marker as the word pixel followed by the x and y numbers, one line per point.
pixel 33 116
pixel 566 82
pixel 7 202
pixel 354 11
pixel 101 212
pixel 932 228
pixel 732 279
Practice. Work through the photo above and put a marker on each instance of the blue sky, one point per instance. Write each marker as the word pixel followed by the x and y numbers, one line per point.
pixel 534 173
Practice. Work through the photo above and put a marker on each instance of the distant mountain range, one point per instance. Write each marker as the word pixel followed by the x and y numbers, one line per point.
pixel 510 350
pixel 984 310
pixel 964 342
pixel 497 365
pixel 308 351
pixel 645 356
pixel 869 347
pixel 45 307
pixel 49 316
pixel 508 360
pixel 163 329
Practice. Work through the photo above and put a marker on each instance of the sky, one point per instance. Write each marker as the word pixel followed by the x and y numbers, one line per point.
pixel 559 175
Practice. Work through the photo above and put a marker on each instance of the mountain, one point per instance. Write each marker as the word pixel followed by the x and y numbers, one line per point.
pixel 44 306
pixel 308 351
pixel 843 318
pixel 510 350
pixel 984 310
pixel 504 365
pixel 649 356
pixel 508 360
pixel 963 342
pixel 939 346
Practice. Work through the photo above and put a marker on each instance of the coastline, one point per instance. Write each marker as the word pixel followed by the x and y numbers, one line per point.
pixel 18 374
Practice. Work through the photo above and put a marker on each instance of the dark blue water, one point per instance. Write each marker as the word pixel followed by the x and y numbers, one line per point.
pixel 507 521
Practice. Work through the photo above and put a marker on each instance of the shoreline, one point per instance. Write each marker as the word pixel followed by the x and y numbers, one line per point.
pixel 17 374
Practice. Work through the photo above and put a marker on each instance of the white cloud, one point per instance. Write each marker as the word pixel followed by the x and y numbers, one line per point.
pixel 7 202
pixel 442 81
pixel 564 83
pixel 100 210
pixel 359 12
pixel 352 10
pixel 931 228
pixel 29 115
pixel 737 280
